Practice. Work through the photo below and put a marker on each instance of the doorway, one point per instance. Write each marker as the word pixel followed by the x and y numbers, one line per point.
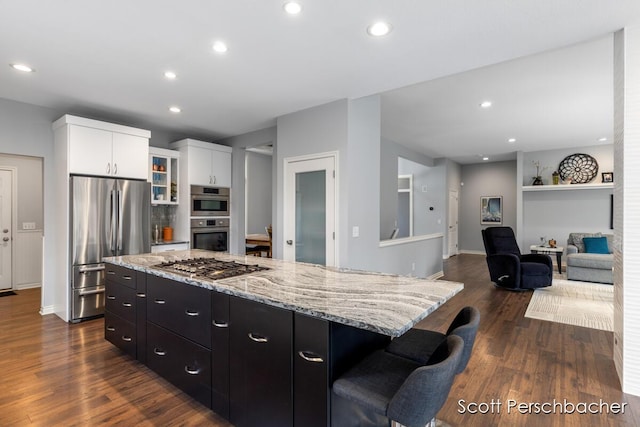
pixel 6 221
pixel 310 209
pixel 453 223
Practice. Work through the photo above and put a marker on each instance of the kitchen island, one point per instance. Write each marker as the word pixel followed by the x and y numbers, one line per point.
pixel 265 345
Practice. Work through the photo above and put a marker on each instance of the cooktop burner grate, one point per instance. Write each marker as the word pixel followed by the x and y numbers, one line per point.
pixel 209 268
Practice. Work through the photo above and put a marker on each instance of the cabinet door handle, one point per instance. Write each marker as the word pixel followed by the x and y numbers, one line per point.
pixel 111 329
pixel 126 304
pixel 115 168
pixel 160 301
pixel 310 356
pixel 108 168
pixel 258 338
pixel 220 324
pixel 159 352
pixel 191 371
pixel 111 297
pixel 191 313
pixel 141 295
pixel 126 338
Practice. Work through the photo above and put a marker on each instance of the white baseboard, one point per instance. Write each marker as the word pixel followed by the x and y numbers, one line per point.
pixel 435 276
pixel 47 310
pixel 463 251
pixel 28 286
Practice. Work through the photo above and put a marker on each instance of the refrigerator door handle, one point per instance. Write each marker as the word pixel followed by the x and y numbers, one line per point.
pixel 119 216
pixel 112 223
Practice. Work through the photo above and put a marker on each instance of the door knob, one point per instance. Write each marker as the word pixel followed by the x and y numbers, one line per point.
pixel 6 239
pixel 6 230
pixel 289 242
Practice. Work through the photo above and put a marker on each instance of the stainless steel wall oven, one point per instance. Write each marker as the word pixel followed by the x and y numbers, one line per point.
pixel 209 201
pixel 210 234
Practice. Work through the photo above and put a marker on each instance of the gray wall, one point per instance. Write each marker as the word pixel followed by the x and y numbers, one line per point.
pixel 258 192
pixel 485 179
pixel 30 186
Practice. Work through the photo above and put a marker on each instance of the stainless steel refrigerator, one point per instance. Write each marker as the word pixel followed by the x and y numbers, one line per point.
pixel 109 217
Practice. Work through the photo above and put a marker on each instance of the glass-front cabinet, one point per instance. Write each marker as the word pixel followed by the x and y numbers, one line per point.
pixel 163 175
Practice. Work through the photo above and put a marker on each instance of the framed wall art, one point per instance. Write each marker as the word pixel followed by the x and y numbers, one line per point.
pixel 491 210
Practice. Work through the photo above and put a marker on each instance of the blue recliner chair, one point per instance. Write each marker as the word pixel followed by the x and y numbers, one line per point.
pixel 508 267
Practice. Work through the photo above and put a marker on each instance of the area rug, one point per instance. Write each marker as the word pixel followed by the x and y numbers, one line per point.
pixel 574 303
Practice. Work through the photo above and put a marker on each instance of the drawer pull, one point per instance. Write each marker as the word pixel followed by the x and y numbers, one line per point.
pixel 220 324
pixel 159 352
pixel 160 301
pixel 190 371
pixel 126 304
pixel 111 297
pixel 191 313
pixel 126 338
pixel 310 356
pixel 126 277
pixel 141 295
pixel 111 272
pixel 258 338
pixel 111 329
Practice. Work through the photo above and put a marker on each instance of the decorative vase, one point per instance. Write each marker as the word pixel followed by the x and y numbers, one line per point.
pixel 556 178
pixel 537 180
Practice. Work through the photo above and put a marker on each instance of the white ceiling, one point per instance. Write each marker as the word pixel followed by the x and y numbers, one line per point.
pixel 106 59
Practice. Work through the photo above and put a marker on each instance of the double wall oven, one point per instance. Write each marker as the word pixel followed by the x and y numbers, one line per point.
pixel 210 218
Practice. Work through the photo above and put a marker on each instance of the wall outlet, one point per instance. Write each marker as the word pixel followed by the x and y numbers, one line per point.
pixel 28 225
pixel 424 188
pixel 355 231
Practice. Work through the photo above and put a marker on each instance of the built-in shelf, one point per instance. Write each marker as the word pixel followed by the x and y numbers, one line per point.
pixel 601 186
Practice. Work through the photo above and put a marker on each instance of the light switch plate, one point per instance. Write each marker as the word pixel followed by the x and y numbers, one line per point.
pixel 355 232
pixel 28 225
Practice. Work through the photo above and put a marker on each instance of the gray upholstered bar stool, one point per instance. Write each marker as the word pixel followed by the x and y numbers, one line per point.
pixel 419 344
pixel 385 389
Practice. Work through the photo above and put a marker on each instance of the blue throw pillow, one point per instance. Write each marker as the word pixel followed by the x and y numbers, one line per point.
pixel 596 245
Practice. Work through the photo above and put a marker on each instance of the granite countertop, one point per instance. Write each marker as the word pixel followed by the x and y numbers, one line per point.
pixel 382 303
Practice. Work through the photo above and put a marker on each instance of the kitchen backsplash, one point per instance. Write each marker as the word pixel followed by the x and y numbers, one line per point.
pixel 163 216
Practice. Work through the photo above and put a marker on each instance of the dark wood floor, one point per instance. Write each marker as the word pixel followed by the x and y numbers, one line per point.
pixel 54 373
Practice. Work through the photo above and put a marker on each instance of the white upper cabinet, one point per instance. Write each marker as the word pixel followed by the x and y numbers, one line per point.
pixel 163 176
pixel 105 149
pixel 207 163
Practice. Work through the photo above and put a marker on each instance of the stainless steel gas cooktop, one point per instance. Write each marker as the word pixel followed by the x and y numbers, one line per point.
pixel 209 268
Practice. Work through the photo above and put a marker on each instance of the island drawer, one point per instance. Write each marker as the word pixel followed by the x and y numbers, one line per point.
pixel 180 308
pixel 120 333
pixel 183 363
pixel 120 300
pixel 122 275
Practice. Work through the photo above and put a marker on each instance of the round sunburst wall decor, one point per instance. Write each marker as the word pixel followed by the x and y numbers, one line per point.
pixel 579 168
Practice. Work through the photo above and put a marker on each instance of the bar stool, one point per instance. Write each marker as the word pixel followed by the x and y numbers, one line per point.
pixel 419 344
pixel 385 388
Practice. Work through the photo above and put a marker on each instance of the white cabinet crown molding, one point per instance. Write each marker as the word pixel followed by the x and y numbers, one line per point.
pixel 68 119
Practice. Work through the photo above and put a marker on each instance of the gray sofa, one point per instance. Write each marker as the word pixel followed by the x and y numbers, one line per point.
pixel 588 267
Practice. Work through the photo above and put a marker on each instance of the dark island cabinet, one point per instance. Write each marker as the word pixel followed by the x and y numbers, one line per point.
pixel 261 348
pixel 220 353
pixel 181 308
pixel 180 361
pixel 123 309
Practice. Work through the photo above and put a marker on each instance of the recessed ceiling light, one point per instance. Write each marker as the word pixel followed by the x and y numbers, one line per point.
pixel 175 109
pixel 220 47
pixel 511 140
pixel 485 158
pixel 486 104
pixel 379 29
pixel 603 139
pixel 22 67
pixel 170 75
pixel 292 7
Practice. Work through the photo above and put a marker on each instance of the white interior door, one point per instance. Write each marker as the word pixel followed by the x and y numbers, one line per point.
pixel 309 210
pixel 453 223
pixel 6 240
